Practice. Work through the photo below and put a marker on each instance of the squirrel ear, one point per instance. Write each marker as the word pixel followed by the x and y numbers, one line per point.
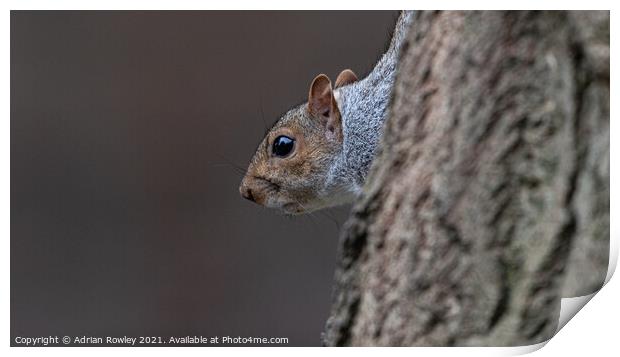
pixel 320 96
pixel 345 77
pixel 322 104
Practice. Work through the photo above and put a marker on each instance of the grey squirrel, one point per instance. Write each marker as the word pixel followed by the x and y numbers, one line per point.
pixel 318 154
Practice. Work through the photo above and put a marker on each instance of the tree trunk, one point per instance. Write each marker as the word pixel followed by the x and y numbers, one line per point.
pixel 489 198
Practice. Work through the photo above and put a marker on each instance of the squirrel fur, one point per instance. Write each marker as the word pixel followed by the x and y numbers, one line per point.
pixel 329 142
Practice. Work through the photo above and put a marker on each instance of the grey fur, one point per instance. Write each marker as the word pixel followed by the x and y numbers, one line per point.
pixel 363 106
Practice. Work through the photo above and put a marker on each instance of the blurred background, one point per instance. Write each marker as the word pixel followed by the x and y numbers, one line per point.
pixel 129 132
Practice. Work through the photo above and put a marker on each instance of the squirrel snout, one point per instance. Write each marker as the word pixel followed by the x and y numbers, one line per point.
pixel 251 190
pixel 246 191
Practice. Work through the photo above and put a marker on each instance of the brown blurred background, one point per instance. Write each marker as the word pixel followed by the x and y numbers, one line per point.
pixel 125 130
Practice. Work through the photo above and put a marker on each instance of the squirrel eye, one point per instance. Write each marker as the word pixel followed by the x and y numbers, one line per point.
pixel 283 146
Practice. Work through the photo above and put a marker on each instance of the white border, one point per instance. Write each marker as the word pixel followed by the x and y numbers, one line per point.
pixel 594 326
pixel 307 5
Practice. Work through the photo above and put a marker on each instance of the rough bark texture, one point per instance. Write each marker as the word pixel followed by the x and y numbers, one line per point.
pixel 489 199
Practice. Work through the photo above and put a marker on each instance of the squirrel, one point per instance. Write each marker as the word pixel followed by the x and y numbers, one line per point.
pixel 317 155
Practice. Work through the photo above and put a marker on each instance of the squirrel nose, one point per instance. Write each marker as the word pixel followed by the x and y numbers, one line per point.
pixel 246 192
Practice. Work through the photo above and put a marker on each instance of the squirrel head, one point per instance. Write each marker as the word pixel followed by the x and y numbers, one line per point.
pixel 289 169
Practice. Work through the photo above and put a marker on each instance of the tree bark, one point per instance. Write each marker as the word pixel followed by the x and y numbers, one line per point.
pixel 489 198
